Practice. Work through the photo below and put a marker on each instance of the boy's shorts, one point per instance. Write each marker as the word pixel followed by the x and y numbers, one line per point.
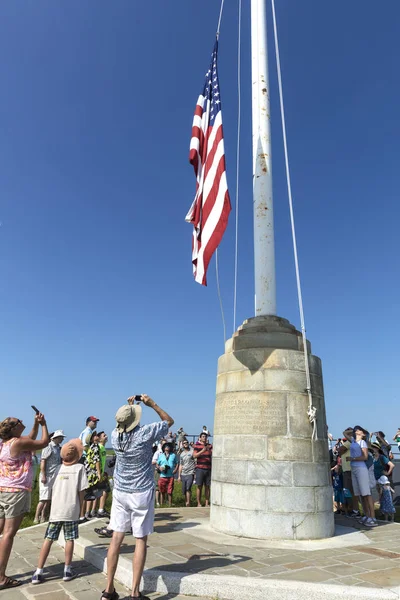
pixel 71 531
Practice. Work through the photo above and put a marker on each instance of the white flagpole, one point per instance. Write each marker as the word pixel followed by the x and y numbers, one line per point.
pixel 264 247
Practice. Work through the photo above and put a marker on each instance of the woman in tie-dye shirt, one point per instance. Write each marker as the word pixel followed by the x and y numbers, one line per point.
pixel 16 474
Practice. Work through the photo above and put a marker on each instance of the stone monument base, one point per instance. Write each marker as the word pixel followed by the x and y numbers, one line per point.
pixel 270 480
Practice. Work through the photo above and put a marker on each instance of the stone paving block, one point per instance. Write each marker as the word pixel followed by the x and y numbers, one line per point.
pixel 344 581
pixel 342 570
pixel 377 564
pixel 311 575
pixel 270 570
pixel 386 578
pixel 12 595
pixel 60 595
pixel 43 588
pixel 299 565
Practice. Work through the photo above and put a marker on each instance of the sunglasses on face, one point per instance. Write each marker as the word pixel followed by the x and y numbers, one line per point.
pixel 15 423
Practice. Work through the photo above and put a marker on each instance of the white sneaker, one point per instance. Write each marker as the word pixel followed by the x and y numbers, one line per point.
pixel 68 575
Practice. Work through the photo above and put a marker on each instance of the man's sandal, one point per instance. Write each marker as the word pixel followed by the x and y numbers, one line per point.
pixel 109 595
pixel 104 532
pixel 10 583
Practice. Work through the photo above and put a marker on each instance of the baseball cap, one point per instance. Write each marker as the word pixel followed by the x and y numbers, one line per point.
pixel 94 419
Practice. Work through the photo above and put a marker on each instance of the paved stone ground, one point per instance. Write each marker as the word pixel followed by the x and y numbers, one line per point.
pixel 88 586
pixel 173 548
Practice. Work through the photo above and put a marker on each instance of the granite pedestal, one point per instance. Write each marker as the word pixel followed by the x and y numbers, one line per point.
pixel 270 480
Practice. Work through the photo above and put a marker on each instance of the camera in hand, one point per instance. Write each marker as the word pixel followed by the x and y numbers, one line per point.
pixel 138 398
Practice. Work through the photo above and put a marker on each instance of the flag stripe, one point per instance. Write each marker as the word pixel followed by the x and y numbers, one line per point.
pixel 211 206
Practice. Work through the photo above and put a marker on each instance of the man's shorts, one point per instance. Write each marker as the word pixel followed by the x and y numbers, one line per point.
pixel 70 528
pixel 347 482
pixel 166 485
pixel 46 489
pixel 203 477
pixel 14 504
pixel 134 510
pixel 187 482
pixel 360 479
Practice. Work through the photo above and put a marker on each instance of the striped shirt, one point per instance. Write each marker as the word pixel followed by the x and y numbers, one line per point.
pixel 203 461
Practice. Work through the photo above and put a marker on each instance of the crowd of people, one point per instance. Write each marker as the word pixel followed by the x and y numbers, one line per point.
pixel 76 477
pixel 360 462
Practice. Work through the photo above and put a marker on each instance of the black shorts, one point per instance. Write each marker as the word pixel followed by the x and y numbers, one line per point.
pixel 187 482
pixel 203 477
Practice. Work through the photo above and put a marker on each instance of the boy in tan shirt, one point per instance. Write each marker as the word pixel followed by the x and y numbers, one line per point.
pixel 68 494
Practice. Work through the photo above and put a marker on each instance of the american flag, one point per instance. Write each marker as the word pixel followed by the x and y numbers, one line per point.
pixel 211 206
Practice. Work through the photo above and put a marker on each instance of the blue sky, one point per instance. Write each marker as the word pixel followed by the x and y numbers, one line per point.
pixel 97 299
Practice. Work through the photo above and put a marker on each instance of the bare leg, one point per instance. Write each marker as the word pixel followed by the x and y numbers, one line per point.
pixel 10 528
pixel 69 552
pixel 103 501
pixel 198 494
pixel 355 501
pixel 188 498
pixel 83 510
pixel 207 493
pixel 39 510
pixel 157 497
pixel 112 559
pixel 44 553
pixel 138 561
pixel 170 500
pixel 46 510
pixel 364 505
pixel 371 506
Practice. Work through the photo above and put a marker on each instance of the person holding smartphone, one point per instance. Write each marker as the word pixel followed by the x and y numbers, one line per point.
pixel 16 476
pixel 133 493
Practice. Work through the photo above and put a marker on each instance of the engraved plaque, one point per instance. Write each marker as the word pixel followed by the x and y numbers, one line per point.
pixel 257 413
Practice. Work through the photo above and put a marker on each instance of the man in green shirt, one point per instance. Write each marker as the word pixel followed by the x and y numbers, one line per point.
pixel 103 457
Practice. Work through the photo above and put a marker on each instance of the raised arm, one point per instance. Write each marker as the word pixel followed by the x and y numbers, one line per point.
pixel 196 453
pixel 27 443
pixel 161 413
pixel 35 429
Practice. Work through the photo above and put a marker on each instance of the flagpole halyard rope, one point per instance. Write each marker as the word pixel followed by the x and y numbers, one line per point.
pixel 312 411
pixel 219 294
pixel 239 85
pixel 220 17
